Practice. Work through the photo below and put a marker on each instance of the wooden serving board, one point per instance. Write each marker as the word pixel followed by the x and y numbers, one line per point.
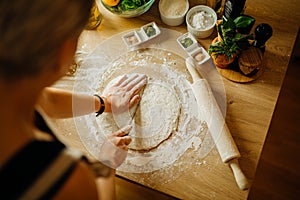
pixel 238 77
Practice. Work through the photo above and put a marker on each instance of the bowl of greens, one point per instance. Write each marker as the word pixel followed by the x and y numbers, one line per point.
pixel 127 8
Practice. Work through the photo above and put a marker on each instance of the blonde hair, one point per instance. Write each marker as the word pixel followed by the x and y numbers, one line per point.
pixel 32 32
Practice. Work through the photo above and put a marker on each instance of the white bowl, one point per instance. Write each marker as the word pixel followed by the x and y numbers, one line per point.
pixel 172 12
pixel 201 21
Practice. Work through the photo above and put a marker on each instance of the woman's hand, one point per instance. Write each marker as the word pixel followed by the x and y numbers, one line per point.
pixel 120 138
pixel 114 150
pixel 122 94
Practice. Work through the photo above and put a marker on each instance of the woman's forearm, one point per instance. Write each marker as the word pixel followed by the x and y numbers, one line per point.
pixel 58 103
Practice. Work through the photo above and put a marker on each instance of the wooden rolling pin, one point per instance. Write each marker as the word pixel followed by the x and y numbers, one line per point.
pixel 209 109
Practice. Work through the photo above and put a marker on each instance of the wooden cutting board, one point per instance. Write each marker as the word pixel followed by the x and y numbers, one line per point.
pixel 238 77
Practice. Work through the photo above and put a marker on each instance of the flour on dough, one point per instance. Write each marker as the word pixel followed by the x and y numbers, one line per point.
pixel 155 119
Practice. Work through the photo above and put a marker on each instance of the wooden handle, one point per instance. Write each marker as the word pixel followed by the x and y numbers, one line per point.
pixel 239 176
pixel 191 68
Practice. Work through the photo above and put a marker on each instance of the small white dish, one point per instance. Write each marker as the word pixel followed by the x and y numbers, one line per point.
pixel 151 30
pixel 189 43
pixel 200 55
pixel 132 39
pixel 136 37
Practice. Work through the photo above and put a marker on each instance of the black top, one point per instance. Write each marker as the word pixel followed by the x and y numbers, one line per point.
pixel 23 169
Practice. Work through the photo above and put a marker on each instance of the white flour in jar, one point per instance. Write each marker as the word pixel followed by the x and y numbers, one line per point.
pixel 202 20
pixel 173 8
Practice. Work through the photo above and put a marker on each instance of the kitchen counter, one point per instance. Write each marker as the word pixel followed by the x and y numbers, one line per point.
pixel 250 106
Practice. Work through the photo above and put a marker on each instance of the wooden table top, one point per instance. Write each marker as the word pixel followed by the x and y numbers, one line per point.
pixel 249 106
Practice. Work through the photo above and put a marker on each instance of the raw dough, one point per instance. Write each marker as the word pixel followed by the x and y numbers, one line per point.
pixel 162 61
pixel 155 119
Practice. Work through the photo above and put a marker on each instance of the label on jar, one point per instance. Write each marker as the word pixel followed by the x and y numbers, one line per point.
pixel 233 8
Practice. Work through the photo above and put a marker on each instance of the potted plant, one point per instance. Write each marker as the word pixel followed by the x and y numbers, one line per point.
pixel 226 47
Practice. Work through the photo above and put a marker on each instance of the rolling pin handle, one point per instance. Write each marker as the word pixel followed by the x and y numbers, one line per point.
pixel 192 69
pixel 239 176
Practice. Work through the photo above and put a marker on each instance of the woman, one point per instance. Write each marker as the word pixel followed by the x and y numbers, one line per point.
pixel 38 40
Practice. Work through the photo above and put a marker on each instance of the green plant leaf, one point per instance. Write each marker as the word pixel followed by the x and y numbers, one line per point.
pixel 227 29
pixel 220 32
pixel 229 24
pixel 243 21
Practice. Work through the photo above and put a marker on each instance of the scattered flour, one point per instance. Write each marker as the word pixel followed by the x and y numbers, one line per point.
pixel 164 69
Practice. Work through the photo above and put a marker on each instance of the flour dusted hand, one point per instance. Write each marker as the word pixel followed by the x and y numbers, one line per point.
pixel 122 93
pixel 114 150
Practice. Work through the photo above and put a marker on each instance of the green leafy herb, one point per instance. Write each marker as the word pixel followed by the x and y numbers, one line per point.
pixel 231 42
pixel 228 49
pixel 126 5
pixel 227 29
pixel 243 21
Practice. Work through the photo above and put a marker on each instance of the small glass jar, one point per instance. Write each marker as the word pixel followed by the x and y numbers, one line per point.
pixel 95 18
pixel 217 5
